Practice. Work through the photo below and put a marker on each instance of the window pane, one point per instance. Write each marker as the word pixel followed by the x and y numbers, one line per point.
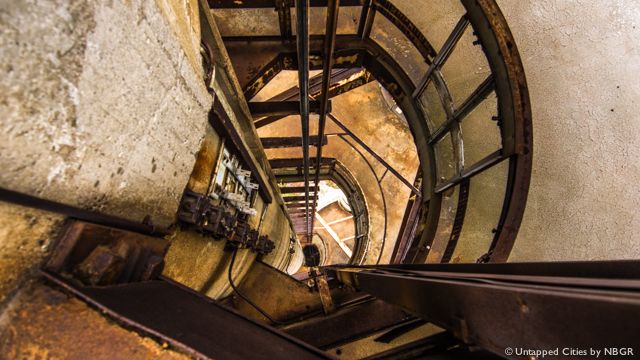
pixel 481 135
pixel 432 107
pixel 466 68
pixel 486 194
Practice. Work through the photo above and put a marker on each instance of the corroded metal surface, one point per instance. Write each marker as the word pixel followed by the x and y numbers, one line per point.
pixel 45 323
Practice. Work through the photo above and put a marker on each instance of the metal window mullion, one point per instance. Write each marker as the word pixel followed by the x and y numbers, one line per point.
pixel 443 55
pixel 368 23
pixel 475 99
pixel 482 165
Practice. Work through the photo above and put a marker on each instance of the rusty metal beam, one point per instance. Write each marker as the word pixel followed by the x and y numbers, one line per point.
pixel 342 81
pixel 577 303
pixel 296 190
pixel 269 4
pixel 289 142
pixel 297 178
pixel 284 18
pixel 280 108
pixel 302 49
pixel 407 27
pixel 348 324
pixel 201 327
pixel 297 210
pixel 327 65
pixel 295 199
pixel 408 226
pixel 374 154
pixel 297 162
pixel 366 20
pixel 300 206
pixel 363 17
pixel 145 227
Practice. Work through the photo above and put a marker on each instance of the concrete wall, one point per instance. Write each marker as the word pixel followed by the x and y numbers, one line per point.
pixel 582 61
pixel 101 108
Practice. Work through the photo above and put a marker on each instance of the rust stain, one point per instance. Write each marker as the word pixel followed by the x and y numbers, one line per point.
pixel 205 161
pixel 45 323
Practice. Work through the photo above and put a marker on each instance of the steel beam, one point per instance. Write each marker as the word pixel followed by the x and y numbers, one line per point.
pixel 407 229
pixel 374 154
pixel 294 199
pixel 269 4
pixel 516 305
pixel 200 327
pixel 145 227
pixel 296 189
pixel 289 142
pixel 280 108
pixel 284 18
pixel 327 65
pixel 348 324
pixel 296 163
pixel 302 47
pixel 342 81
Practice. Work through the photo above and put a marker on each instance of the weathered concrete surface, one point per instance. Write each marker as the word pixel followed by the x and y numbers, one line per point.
pixel 581 60
pixel 184 18
pixel 100 107
pixel 45 323
pixel 25 240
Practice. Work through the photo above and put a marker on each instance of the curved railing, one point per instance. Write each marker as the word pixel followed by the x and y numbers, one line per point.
pixel 466 104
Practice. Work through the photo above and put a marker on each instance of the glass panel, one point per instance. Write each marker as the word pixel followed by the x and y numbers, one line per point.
pixel 245 22
pixel 466 68
pixel 432 107
pixel 435 18
pixel 481 135
pixel 445 159
pixel 348 18
pixel 484 206
pixel 387 35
